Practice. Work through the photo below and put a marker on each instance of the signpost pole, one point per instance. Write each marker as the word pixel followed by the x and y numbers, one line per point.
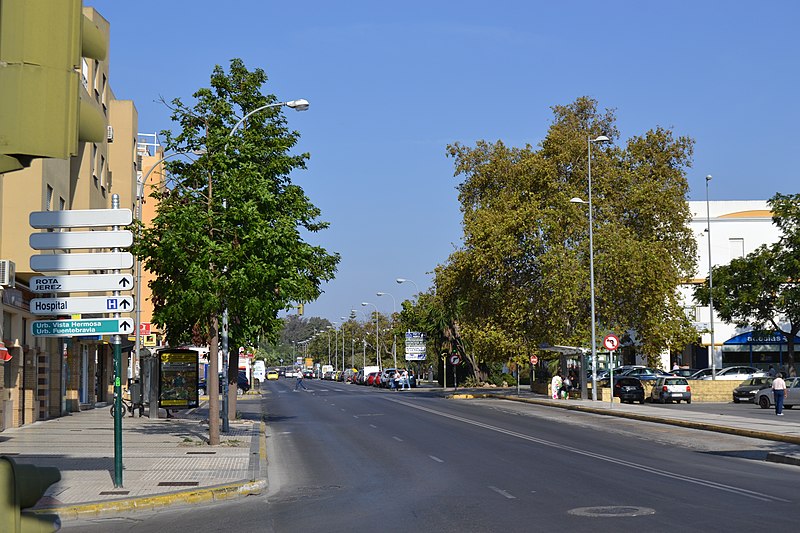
pixel 116 342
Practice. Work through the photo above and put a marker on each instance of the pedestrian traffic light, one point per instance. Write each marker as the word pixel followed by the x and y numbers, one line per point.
pixel 42 111
pixel 21 486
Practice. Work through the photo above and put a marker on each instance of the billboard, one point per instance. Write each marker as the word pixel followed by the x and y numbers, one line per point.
pixel 415 346
pixel 177 380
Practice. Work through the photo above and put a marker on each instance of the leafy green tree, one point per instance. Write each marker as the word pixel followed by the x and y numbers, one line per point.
pixel 522 276
pixel 761 290
pixel 228 228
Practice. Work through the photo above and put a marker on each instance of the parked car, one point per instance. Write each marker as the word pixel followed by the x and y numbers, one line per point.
pixel 746 392
pixel 628 389
pixel 272 375
pixel 683 372
pixel 671 389
pixel 371 378
pixel 732 373
pixel 308 374
pixel 243 384
pixel 765 400
pixel 644 373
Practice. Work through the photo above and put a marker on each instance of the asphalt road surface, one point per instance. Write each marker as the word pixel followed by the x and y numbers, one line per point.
pixel 351 459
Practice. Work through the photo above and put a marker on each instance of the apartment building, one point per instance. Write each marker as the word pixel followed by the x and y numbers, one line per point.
pixel 48 377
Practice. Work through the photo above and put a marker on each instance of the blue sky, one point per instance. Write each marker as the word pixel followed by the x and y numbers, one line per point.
pixel 391 84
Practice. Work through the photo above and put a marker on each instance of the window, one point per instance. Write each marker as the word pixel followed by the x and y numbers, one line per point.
pixel 62 204
pixel 48 201
pixel 737 248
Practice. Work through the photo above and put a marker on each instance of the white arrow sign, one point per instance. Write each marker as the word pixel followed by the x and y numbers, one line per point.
pixel 81 218
pixel 86 304
pixel 64 240
pixel 101 261
pixel 93 283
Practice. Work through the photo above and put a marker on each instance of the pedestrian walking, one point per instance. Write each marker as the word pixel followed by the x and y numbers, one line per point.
pixel 778 393
pixel 300 381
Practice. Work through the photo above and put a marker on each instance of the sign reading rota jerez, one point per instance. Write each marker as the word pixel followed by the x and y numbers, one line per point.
pixel 58 286
pixel 415 346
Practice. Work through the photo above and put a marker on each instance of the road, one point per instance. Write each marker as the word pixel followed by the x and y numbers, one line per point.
pixel 349 458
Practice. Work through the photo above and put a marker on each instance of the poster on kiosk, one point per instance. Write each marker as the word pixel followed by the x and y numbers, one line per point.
pixel 177 378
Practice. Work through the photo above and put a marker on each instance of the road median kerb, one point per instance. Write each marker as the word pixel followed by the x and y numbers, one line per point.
pixel 207 494
pixel 765 435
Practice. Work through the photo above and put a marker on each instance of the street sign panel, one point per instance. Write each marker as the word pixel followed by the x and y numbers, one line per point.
pixel 82 283
pixel 80 218
pixel 415 346
pixel 85 304
pixel 611 342
pixel 67 240
pixel 82 261
pixel 86 326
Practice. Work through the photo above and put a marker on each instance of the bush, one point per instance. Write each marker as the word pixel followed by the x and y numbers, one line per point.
pixel 499 379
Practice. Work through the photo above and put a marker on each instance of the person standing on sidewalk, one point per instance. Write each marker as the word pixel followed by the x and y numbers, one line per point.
pixel 778 393
pixel 300 381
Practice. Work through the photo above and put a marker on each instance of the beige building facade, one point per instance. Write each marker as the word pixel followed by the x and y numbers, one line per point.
pixel 47 377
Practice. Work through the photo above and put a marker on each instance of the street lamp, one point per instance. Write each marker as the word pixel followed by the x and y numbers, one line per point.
pixel 404 280
pixel 589 142
pixel 710 286
pixel 394 340
pixel 344 321
pixel 377 342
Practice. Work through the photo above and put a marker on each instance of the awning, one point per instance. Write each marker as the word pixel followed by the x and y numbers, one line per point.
pixel 4 355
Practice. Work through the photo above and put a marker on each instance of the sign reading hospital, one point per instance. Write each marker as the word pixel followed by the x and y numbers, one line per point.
pixel 415 346
pixel 79 305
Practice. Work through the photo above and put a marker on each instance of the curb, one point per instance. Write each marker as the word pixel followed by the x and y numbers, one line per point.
pixel 209 494
pixel 764 435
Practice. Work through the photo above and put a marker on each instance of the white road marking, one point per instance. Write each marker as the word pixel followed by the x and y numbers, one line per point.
pixel 636 466
pixel 436 459
pixel 503 493
pixel 398 439
pixel 373 426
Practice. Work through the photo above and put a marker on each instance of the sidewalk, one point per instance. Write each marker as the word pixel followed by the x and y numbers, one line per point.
pixel 165 461
pixel 768 428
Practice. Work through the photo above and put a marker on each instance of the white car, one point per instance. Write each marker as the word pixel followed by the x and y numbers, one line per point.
pixel 765 399
pixel 732 373
pixel 671 388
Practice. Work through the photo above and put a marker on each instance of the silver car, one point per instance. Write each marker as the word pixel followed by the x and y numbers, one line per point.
pixel 671 389
pixel 765 399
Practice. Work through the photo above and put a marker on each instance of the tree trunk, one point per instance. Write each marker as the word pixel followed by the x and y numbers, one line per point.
pixel 212 382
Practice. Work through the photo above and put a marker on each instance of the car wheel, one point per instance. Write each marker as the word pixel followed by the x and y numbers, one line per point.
pixel 201 391
pixel 735 399
pixel 689 400
pixel 763 402
pixel 788 406
pixel 239 392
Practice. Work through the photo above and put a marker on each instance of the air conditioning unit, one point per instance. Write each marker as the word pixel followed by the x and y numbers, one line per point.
pixel 7 273
pixel 110 133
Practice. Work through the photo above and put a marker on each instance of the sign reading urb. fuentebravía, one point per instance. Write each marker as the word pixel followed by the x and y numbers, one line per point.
pixel 415 346
pixel 178 373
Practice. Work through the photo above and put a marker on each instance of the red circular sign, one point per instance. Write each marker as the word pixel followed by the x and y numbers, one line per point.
pixel 455 360
pixel 611 342
pixel 534 359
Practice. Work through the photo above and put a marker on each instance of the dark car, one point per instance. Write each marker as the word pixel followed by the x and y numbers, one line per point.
pixel 747 390
pixel 243 384
pixel 628 389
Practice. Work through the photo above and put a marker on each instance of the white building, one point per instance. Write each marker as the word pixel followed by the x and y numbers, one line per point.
pixel 737 229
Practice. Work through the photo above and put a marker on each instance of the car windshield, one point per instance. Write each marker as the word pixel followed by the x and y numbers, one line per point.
pixel 675 381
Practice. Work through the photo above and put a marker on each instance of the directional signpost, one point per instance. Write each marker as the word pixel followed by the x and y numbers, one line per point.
pixel 114 282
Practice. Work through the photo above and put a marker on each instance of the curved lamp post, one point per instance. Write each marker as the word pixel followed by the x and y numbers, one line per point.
pixel 377 341
pixel 589 142
pixel 404 280
pixel 710 285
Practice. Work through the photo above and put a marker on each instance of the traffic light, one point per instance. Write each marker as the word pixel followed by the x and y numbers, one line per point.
pixel 44 112
pixel 21 486
pixel 300 309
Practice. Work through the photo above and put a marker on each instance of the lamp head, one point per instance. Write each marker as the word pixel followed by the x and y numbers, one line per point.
pixel 298 105
pixel 708 178
pixel 577 200
pixel 400 280
pixel 364 304
pixel 601 139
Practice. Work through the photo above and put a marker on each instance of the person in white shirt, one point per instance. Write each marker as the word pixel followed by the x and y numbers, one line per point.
pixel 778 393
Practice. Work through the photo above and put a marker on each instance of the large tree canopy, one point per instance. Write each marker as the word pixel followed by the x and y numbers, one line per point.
pixel 761 290
pixel 228 227
pixel 522 276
